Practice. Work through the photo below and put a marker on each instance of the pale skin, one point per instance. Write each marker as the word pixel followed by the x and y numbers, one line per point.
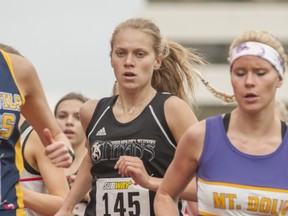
pixel 68 119
pixel 132 57
pixel 254 81
pixel 53 178
pixel 43 121
pixel 67 116
pixel 134 61
pixel 192 208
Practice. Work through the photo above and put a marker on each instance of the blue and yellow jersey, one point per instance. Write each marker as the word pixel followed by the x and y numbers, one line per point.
pixel 11 162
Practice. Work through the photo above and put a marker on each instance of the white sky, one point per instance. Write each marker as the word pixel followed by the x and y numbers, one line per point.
pixel 67 41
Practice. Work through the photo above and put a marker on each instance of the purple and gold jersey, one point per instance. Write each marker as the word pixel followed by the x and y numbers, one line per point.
pixel 231 182
pixel 11 163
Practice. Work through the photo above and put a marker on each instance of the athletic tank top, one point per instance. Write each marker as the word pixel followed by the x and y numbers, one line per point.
pixel 147 137
pixel 231 182
pixel 30 177
pixel 11 163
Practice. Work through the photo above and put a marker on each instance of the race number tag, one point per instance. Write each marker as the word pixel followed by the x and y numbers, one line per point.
pixel 121 197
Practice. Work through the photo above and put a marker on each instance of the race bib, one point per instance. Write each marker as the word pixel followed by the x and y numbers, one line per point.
pixel 121 197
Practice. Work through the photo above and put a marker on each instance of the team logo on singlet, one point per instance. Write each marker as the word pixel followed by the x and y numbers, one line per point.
pixel 113 149
pixel 95 152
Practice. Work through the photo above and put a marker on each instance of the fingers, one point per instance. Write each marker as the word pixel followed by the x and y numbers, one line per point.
pixel 57 151
pixel 63 164
pixel 48 136
pixel 128 165
pixel 133 167
pixel 58 154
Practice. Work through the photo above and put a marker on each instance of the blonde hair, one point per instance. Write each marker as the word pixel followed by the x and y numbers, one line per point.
pixel 261 37
pixel 180 66
pixel 256 36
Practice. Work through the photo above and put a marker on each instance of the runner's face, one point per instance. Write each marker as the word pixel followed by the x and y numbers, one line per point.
pixel 133 58
pixel 254 81
pixel 67 116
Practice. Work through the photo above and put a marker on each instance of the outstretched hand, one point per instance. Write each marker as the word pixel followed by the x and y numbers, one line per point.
pixel 133 167
pixel 57 151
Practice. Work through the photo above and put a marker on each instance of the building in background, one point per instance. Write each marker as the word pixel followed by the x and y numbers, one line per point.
pixel 210 26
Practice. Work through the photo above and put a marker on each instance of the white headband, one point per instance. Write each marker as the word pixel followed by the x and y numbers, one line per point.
pixel 260 50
